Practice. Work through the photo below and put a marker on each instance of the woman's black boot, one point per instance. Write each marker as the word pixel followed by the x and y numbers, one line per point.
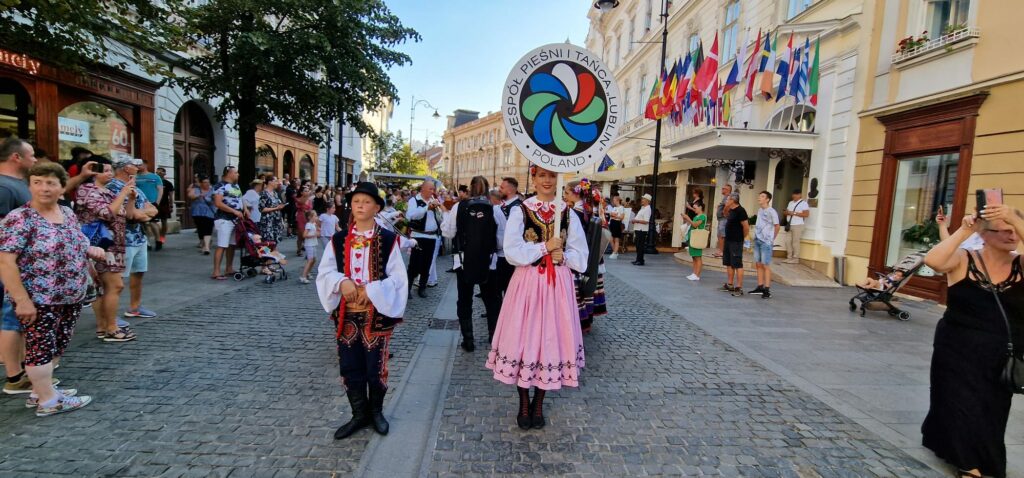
pixel 537 410
pixel 360 416
pixel 523 419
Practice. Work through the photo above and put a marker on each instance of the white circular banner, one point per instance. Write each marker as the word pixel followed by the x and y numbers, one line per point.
pixel 561 107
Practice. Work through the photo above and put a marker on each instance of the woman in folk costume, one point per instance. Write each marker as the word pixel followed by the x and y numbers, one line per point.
pixel 363 284
pixel 538 342
pixel 588 205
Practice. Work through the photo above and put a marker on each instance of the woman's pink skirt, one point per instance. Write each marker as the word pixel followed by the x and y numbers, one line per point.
pixel 538 342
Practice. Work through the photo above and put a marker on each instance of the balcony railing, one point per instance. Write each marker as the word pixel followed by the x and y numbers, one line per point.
pixel 940 42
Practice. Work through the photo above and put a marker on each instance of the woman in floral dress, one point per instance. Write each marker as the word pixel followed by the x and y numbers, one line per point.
pixel 271 221
pixel 95 203
pixel 43 264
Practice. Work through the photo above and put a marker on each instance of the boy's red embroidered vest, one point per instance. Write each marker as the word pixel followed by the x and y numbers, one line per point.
pixel 379 249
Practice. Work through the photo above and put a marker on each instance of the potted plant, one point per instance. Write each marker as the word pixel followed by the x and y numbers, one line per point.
pixel 953 28
pixel 925 234
pixel 910 43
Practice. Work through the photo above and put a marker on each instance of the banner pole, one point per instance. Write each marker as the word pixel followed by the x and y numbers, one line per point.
pixel 559 186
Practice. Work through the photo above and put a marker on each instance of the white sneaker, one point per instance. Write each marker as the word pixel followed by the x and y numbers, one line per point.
pixel 303 280
pixel 693 277
pixel 615 255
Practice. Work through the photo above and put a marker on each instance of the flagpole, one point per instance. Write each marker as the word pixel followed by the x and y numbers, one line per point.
pixel 650 247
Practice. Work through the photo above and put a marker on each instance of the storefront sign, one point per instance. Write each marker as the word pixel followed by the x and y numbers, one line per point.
pixel 120 140
pixel 72 130
pixel 561 107
pixel 19 61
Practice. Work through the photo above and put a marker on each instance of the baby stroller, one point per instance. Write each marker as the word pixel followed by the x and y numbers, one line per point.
pixel 900 275
pixel 258 256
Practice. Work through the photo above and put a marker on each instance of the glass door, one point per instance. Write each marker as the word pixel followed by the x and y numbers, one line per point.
pixel 923 185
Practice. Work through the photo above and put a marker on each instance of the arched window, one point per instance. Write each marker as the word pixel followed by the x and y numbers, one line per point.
pixel 289 164
pixel 306 167
pixel 794 118
pixel 95 126
pixel 266 160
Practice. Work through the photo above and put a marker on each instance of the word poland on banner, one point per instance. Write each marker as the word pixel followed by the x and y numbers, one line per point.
pixel 561 107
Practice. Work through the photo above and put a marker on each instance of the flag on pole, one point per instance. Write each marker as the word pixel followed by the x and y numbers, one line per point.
pixel 726 108
pixel 606 164
pixel 733 78
pixel 799 87
pixel 812 79
pixel 709 69
pixel 653 102
pixel 768 69
pixel 785 60
pixel 752 66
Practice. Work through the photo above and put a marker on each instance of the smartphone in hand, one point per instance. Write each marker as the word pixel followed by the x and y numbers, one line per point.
pixel 96 168
pixel 986 197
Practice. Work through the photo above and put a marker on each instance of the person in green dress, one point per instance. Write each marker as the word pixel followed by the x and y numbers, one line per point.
pixel 698 222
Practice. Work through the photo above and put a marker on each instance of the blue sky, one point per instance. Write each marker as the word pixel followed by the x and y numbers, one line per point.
pixel 468 48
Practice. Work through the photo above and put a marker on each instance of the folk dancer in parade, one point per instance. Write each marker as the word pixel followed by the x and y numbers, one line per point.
pixel 588 204
pixel 362 282
pixel 538 342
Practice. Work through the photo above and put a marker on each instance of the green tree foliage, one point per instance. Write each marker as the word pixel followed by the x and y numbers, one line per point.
pixel 299 62
pixel 82 33
pixel 405 161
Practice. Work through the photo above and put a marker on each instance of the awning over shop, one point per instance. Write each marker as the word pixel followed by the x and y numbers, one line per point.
pixel 739 144
pixel 647 169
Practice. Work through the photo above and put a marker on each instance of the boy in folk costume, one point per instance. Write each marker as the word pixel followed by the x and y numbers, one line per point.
pixel 362 282
pixel 538 342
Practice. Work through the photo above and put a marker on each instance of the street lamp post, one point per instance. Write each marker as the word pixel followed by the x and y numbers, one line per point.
pixel 606 6
pixel 412 115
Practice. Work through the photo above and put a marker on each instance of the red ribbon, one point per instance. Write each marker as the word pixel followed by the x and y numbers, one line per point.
pixel 341 303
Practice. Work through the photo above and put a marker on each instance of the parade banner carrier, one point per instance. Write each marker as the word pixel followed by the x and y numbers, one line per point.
pixel 561 107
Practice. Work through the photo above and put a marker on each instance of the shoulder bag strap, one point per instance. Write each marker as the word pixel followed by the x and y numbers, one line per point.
pixel 999 303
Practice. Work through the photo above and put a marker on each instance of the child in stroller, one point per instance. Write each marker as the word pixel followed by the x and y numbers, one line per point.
pixel 884 287
pixel 258 256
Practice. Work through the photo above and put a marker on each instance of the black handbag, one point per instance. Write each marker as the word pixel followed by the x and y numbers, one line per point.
pixel 1012 376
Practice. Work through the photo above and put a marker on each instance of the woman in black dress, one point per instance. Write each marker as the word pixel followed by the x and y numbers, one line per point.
pixel 966 422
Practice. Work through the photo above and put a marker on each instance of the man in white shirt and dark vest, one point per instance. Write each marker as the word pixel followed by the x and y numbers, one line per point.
pixel 510 200
pixel 641 226
pixel 423 213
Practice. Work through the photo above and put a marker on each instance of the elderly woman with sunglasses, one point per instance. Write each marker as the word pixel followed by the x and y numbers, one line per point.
pixel 43 256
pixel 966 422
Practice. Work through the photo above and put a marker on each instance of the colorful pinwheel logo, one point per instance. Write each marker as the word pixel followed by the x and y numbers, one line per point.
pixel 564 109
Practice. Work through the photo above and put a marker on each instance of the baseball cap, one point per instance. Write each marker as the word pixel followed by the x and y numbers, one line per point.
pixel 124 161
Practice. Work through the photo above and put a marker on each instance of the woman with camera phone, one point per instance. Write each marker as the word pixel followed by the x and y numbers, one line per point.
pixel 966 422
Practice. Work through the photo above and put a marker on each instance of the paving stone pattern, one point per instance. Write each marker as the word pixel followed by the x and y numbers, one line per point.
pixel 658 397
pixel 245 384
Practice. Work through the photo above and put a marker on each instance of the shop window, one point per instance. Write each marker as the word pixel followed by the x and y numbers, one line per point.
pixel 266 162
pixel 797 7
pixel 731 30
pixel 923 184
pixel 97 127
pixel 17 115
pixel 306 167
pixel 945 16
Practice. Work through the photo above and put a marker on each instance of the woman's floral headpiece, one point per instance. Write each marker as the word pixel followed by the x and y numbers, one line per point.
pixel 586 190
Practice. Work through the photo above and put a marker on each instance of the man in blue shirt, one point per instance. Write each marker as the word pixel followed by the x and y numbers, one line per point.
pixel 136 257
pixel 152 185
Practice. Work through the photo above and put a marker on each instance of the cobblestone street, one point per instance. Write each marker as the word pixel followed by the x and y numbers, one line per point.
pixel 243 382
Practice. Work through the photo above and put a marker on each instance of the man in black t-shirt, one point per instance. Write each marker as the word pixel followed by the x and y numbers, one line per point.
pixel 165 207
pixel 737 226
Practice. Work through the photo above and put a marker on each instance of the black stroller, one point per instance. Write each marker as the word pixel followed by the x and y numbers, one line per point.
pixel 256 258
pixel 906 267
